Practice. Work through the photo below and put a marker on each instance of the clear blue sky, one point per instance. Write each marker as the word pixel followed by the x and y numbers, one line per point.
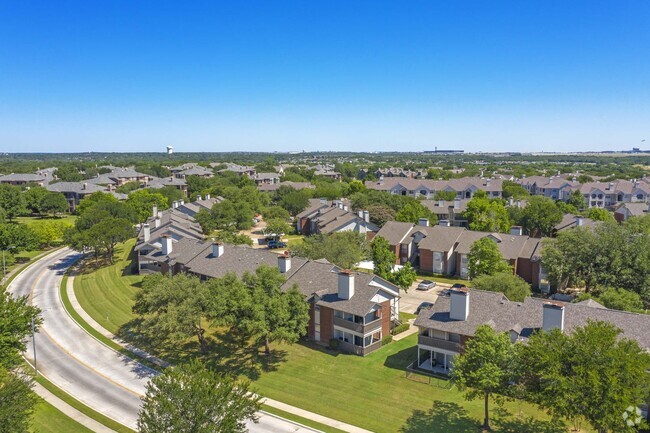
pixel 552 75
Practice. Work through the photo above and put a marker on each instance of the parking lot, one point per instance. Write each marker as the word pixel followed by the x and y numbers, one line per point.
pixel 410 300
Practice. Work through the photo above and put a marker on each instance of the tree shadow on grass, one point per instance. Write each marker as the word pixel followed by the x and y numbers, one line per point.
pixel 504 422
pixel 443 417
pixel 402 359
pixel 235 354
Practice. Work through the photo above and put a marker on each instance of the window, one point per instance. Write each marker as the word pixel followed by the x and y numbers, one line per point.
pixel 423 192
pixel 441 335
pixel 454 337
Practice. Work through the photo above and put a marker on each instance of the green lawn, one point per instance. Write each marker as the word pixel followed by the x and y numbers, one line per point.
pixel 444 279
pixel 48 419
pixel 107 293
pixel 371 392
pixel 62 217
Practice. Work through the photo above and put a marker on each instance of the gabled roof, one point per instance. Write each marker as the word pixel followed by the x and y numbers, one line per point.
pixel 75 187
pixel 503 315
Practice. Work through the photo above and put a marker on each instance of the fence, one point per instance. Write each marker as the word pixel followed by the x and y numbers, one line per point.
pixel 418 375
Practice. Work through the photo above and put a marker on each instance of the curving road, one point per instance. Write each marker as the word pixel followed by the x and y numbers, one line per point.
pixel 94 374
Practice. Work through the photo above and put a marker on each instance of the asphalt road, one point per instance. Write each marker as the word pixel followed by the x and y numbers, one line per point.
pixel 94 374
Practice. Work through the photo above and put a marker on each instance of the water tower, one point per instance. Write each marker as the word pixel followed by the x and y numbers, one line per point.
pixel 170 150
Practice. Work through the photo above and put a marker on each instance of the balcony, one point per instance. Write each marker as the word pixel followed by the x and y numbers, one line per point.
pixel 358 327
pixel 358 350
pixel 437 343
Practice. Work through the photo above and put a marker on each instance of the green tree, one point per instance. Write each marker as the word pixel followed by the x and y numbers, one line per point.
pixel 232 236
pixel 172 308
pixel 68 173
pixel 276 212
pixel 143 201
pixel 486 368
pixel 277 226
pixel 514 190
pixel 382 257
pixel 404 277
pixel 17 400
pixel 206 220
pixel 599 214
pixel 511 285
pixel 592 374
pixel 128 187
pixel 381 214
pixel 540 216
pixel 295 201
pixel 34 197
pixel 487 215
pixel 577 200
pixel 93 199
pixel 445 195
pixel 583 178
pixel 54 202
pixel 571 259
pixel 484 258
pixel 413 211
pixel 12 201
pixel 17 237
pixel 48 231
pixel 16 317
pixel 171 193
pixel 190 398
pixel 344 249
pixel 256 306
pixel 621 299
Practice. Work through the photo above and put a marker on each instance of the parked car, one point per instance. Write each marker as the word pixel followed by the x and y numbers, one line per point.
pixel 426 285
pixel 423 306
pixel 459 286
pixel 276 244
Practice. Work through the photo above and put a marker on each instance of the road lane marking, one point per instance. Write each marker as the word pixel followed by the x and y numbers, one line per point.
pixel 70 355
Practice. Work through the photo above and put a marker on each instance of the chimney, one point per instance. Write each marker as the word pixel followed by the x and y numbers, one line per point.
pixel 580 221
pixel 459 308
pixel 154 211
pixel 284 262
pixel 444 223
pixel 181 202
pixel 346 284
pixel 199 198
pixel 85 186
pixel 456 204
pixel 553 316
pixel 511 201
pixel 423 222
pixel 441 203
pixel 207 196
pixel 174 204
pixel 519 203
pixel 360 214
pixel 157 222
pixel 516 230
pixel 610 186
pixel 217 249
pixel 366 216
pixel 146 231
pixel 166 244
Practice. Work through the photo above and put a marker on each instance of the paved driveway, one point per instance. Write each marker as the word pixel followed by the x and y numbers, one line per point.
pixel 410 300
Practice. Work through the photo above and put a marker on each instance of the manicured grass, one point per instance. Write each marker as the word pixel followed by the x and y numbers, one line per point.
pixel 371 392
pixel 300 420
pixel 48 419
pixel 405 317
pixel 114 425
pixel 107 293
pixel 62 217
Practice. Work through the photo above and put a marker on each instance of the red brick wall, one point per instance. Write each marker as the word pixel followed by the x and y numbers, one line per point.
pixel 619 217
pixel 305 226
pixel 395 249
pixel 525 270
pixel 426 261
pixel 385 318
pixel 326 324
pixel 310 327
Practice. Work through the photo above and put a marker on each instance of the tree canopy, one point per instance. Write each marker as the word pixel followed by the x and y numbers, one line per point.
pixel 511 285
pixel 190 398
pixel 487 215
pixel 344 249
pixel 484 258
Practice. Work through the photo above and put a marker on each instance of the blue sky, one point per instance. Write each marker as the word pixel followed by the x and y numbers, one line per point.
pixel 551 75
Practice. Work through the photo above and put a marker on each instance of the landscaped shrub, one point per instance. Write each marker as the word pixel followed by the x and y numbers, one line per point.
pixel 387 339
pixel 401 328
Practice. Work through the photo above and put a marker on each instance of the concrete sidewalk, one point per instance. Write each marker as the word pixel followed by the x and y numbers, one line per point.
pixel 273 403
